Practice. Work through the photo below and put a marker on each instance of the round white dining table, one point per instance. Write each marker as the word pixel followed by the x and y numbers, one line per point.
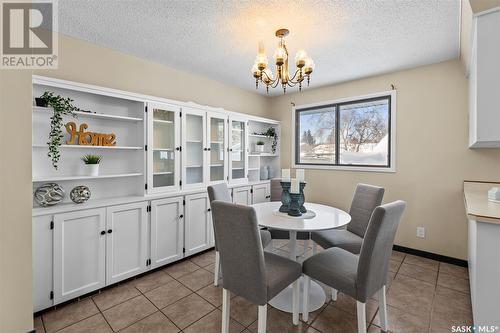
pixel 326 217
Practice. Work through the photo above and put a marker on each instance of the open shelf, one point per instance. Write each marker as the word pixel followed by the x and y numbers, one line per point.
pixel 63 178
pixel 263 155
pixel 258 136
pixel 194 166
pixel 217 165
pixel 159 121
pixel 93 115
pixel 163 149
pixel 216 142
pixel 253 169
pixel 163 173
pixel 92 147
pixel 193 141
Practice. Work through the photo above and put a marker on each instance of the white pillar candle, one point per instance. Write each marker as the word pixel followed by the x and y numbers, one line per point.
pixel 285 175
pixel 299 174
pixel 294 188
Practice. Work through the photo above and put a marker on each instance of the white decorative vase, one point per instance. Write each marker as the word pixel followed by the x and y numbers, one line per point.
pixel 92 169
pixel 260 148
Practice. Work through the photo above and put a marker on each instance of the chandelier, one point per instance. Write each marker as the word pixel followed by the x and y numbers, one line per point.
pixel 262 73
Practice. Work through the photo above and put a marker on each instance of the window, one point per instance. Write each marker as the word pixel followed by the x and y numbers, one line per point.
pixel 350 134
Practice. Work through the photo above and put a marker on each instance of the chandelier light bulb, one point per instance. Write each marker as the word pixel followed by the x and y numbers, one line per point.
pixel 255 71
pixel 261 61
pixel 280 55
pixel 300 58
pixel 309 66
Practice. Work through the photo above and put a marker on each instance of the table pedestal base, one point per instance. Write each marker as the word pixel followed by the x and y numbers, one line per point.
pixel 283 301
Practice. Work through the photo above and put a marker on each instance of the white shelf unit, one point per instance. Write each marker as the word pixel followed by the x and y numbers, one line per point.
pixel 267 158
pixel 122 168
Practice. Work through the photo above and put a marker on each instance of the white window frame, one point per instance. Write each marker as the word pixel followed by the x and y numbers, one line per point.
pixel 392 161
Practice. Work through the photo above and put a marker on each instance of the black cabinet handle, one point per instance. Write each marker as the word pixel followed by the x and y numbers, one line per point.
pixel 181 216
pixel 208 149
pixel 177 148
pixel 110 231
pixel 209 209
pixel 103 232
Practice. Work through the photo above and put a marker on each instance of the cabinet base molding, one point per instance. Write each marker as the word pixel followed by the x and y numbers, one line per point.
pixel 430 255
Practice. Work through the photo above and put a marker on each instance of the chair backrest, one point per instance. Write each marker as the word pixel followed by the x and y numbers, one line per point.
pixel 219 192
pixel 376 250
pixel 276 189
pixel 366 199
pixel 240 250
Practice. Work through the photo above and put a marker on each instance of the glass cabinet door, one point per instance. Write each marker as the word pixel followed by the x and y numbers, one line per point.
pixel 193 147
pixel 217 139
pixel 237 150
pixel 163 154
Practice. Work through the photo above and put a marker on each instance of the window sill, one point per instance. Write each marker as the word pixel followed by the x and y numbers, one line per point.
pixel 345 168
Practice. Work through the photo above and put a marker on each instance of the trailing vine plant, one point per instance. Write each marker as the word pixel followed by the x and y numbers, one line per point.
pixel 62 106
pixel 271 133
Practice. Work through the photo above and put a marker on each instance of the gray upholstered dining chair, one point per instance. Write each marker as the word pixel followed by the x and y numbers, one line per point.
pixel 366 198
pixel 221 192
pixel 249 271
pixel 359 276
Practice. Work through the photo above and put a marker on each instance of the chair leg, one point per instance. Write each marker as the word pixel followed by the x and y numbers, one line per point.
pixel 217 268
pixel 315 248
pixel 226 310
pixel 361 313
pixel 262 319
pixel 306 247
pixel 382 309
pixel 295 302
pixel 334 294
pixel 305 306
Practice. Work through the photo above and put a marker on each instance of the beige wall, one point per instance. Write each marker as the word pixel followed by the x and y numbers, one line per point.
pixel 88 63
pixel 482 5
pixel 432 158
pixel 465 33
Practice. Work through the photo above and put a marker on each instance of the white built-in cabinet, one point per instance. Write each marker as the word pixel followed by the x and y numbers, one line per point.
pixel 167 231
pixel 79 253
pixel 43 279
pixel 197 223
pixel 217 142
pixel 238 151
pixel 484 81
pixel 261 193
pixel 242 195
pixel 127 241
pixel 194 148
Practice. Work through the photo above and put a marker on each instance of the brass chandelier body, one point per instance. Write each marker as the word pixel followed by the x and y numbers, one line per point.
pixel 304 67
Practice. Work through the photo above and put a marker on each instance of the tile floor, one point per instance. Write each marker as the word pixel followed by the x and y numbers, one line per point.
pixel 423 296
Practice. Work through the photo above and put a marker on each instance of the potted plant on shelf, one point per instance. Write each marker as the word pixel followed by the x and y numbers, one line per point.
pixel 92 164
pixel 259 146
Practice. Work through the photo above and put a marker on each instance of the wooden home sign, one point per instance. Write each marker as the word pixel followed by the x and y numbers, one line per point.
pixel 88 138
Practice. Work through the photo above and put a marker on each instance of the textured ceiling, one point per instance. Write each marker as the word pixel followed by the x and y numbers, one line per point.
pixel 347 39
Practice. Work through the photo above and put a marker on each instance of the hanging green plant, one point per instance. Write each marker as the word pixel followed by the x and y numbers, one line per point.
pixel 62 106
pixel 271 133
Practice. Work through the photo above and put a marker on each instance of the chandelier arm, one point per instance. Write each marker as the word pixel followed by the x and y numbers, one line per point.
pixel 271 81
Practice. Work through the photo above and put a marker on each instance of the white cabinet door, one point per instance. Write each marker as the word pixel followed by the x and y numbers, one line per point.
pixel 217 147
pixel 127 241
pixel 197 223
pixel 163 153
pixel 242 195
pixel 42 262
pixel 194 148
pixel 167 231
pixel 79 253
pixel 238 150
pixel 261 193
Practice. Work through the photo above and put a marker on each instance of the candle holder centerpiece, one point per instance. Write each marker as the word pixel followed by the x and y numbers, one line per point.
pixel 285 197
pixel 302 198
pixel 294 205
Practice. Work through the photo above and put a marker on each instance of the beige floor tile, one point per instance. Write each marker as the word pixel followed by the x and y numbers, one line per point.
pixel 129 312
pixel 403 322
pixel 457 271
pixel 453 282
pixel 212 323
pixel 397 256
pixel 422 262
pixel 151 281
pixel 411 295
pixel 312 330
pixel 210 268
pixel 450 308
pixel 38 324
pixel 167 294
pixel 334 320
pixel 188 310
pixel 155 323
pixel 69 314
pixel 394 266
pixel 116 295
pixel 212 294
pixel 94 324
pixel 197 279
pixel 182 268
pixel 348 304
pixel 243 311
pixel 418 272
pixel 278 321
pixel 314 314
pixel 204 259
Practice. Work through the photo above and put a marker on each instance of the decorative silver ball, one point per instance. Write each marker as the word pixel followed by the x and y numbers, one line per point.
pixel 49 194
pixel 80 194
